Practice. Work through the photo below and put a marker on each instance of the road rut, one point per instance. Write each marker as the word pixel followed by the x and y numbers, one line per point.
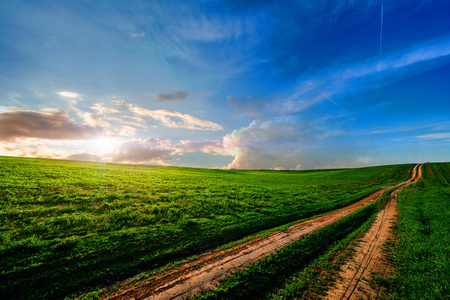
pixel 356 276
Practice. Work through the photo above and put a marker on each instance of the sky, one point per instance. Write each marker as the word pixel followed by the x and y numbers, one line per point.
pixel 283 85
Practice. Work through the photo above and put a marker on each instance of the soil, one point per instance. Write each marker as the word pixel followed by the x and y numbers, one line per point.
pixel 358 276
pixel 184 281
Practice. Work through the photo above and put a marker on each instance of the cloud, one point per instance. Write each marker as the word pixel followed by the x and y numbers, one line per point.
pixel 38 147
pixel 277 131
pixel 90 119
pixel 14 97
pixel 325 84
pixel 290 142
pixel 53 124
pixel 160 150
pixel 93 120
pixel 262 144
pixel 436 126
pixel 151 151
pixel 140 151
pixel 68 94
pixel 130 120
pixel 135 151
pixel 127 131
pixel 208 29
pixel 434 136
pixel 213 147
pixel 102 110
pixel 293 138
pixel 189 34
pixel 173 119
pixel 138 35
pixel 172 96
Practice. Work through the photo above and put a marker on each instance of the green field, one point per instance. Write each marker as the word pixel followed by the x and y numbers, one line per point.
pixel 291 264
pixel 68 227
pixel 422 252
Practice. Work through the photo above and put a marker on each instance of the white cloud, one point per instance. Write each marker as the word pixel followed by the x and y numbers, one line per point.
pixel 323 85
pixel 213 147
pixel 102 110
pixel 292 143
pixel 94 120
pixel 434 136
pixel 127 131
pixel 68 94
pixel 132 121
pixel 174 119
pixel 90 119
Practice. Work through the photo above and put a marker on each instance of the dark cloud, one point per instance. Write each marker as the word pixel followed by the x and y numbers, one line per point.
pixel 53 125
pixel 172 96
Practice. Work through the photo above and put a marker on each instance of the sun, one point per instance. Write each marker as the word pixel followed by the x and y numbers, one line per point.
pixel 104 145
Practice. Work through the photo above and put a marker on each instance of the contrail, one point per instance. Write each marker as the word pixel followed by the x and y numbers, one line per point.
pixel 381 44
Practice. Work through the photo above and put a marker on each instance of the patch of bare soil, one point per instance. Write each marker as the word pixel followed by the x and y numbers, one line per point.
pixel 357 276
pixel 203 272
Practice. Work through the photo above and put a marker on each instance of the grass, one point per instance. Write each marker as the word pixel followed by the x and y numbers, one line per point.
pixel 421 254
pixel 313 281
pixel 305 268
pixel 261 279
pixel 70 227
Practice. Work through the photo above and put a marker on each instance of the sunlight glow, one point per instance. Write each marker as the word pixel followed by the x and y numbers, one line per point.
pixel 104 145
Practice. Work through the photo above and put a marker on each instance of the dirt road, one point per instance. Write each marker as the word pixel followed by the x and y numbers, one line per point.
pixel 357 275
pixel 205 271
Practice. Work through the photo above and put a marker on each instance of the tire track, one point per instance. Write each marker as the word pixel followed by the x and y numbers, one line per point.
pixel 205 270
pixel 357 275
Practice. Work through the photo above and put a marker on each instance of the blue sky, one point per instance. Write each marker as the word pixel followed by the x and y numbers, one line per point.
pixel 226 84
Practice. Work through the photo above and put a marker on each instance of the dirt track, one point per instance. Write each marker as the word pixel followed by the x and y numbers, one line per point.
pixel 357 275
pixel 206 269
